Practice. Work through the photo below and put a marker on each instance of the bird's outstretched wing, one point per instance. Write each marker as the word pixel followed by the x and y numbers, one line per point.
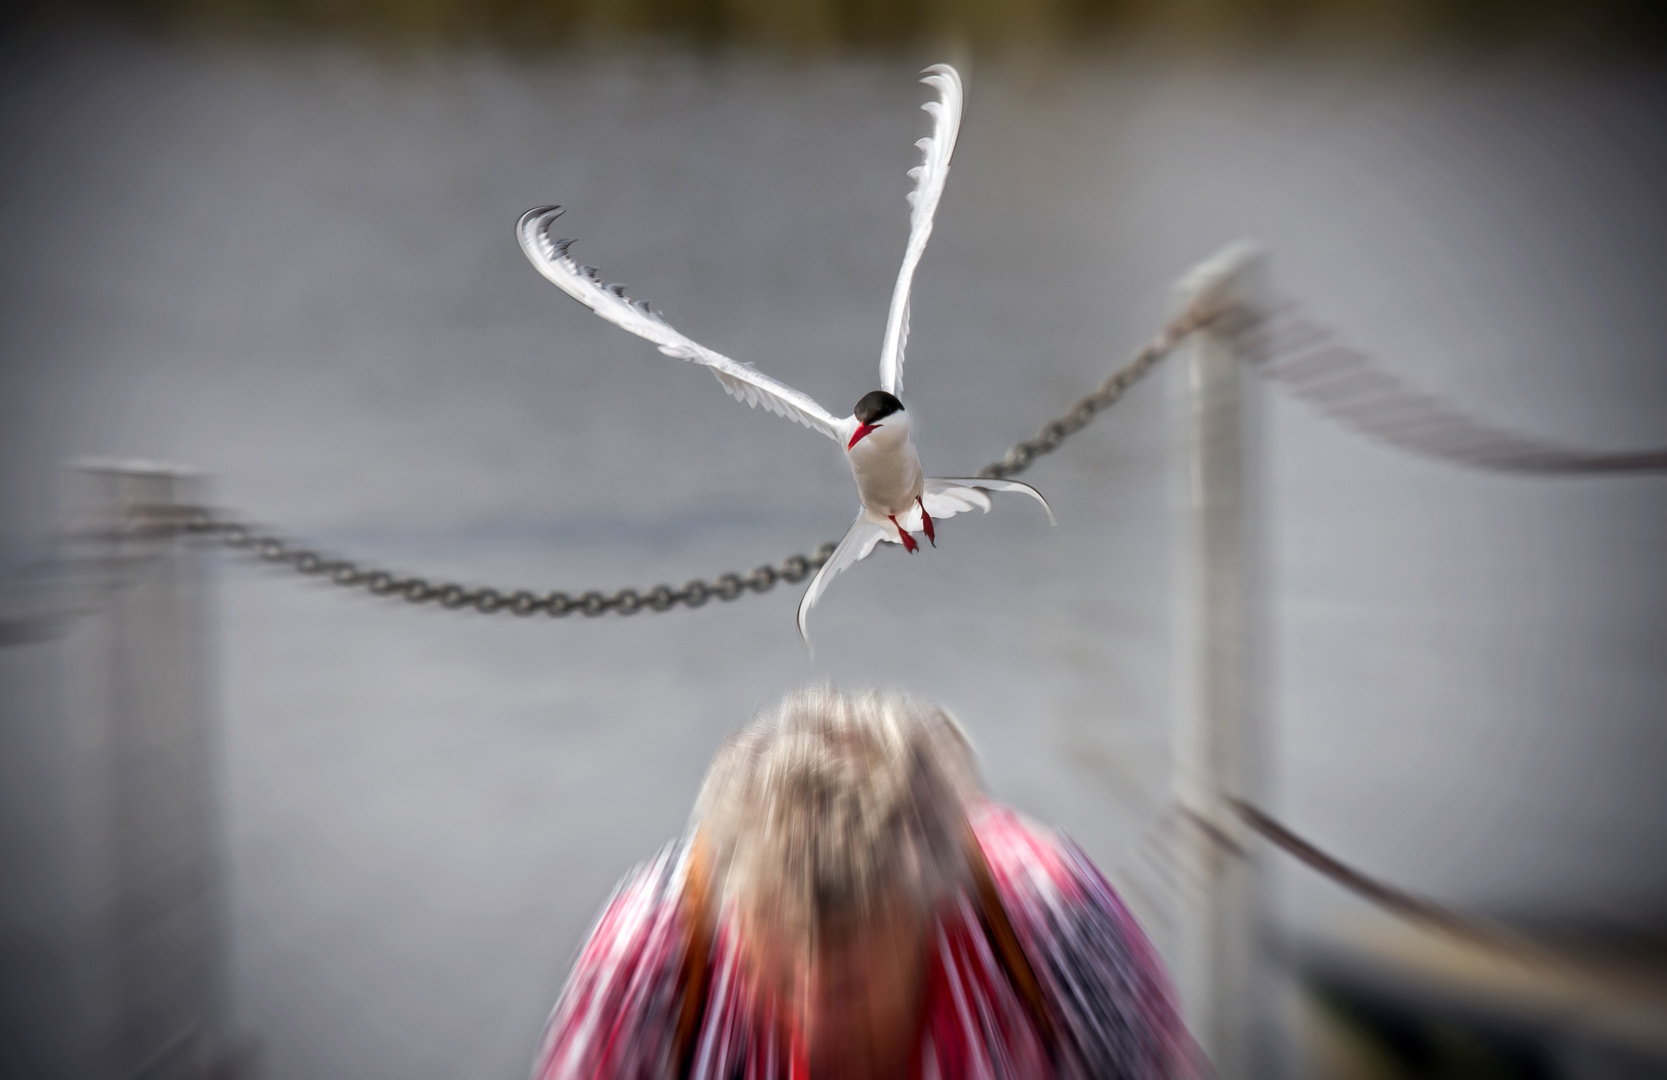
pixel 859 540
pixel 741 381
pixel 929 176
pixel 946 496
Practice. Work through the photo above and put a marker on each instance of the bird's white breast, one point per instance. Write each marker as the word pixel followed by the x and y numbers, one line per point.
pixel 887 468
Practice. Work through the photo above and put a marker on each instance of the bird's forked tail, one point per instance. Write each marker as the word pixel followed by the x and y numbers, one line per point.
pixel 941 497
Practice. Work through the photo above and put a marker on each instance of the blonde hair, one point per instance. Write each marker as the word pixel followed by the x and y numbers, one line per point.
pixel 833 804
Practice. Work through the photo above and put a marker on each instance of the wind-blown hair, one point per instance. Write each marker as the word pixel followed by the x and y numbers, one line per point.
pixel 833 805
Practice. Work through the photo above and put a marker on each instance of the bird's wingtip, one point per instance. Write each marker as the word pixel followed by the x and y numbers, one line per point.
pixel 542 214
pixel 1046 508
pixel 804 632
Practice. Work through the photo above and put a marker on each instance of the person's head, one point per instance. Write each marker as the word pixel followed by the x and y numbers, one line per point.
pixel 835 825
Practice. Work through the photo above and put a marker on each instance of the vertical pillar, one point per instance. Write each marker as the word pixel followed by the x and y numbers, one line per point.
pixel 1217 691
pixel 164 955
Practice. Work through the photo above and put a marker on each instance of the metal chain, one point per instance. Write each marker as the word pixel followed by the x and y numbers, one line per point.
pixel 1020 456
pixel 1412 908
pixel 488 600
pixel 1310 362
pixel 1306 358
pixel 166 519
pixel 1159 874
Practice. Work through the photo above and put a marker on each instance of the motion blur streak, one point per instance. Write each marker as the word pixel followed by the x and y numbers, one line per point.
pixel 291 267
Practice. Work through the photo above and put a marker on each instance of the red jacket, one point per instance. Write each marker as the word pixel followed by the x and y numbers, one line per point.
pixel 1039 971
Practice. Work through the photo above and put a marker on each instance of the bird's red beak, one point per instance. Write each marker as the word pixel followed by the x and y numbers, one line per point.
pixel 860 432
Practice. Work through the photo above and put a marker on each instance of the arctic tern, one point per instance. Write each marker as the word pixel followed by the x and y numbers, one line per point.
pixel 897 497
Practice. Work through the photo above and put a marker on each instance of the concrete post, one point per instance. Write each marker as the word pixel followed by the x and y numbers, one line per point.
pixel 1218 702
pixel 164 956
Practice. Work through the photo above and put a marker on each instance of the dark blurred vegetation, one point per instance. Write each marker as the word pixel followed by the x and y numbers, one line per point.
pixel 878 24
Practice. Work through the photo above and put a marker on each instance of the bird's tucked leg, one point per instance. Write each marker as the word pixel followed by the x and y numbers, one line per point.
pixel 909 544
pixel 926 522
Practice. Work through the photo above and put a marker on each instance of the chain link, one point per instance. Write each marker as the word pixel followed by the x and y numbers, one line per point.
pixel 1412 908
pixel 1021 455
pixel 269 547
pixel 168 519
pixel 1311 363
pixel 1303 356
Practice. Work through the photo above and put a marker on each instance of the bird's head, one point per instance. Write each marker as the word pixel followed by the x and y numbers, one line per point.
pixel 872 412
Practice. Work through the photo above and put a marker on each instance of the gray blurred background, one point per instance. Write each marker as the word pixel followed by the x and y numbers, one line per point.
pixel 282 255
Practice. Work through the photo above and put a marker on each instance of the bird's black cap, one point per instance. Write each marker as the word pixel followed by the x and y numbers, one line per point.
pixel 875 405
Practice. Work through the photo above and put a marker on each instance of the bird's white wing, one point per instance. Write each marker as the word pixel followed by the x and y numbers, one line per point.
pixel 929 176
pixel 945 496
pixel 859 540
pixel 741 381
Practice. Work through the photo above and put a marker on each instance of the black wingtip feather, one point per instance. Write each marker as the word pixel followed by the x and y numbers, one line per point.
pixel 541 214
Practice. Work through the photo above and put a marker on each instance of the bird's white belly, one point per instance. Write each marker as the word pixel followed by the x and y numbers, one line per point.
pixel 887 471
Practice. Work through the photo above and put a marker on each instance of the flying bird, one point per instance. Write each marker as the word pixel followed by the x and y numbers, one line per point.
pixel 897 498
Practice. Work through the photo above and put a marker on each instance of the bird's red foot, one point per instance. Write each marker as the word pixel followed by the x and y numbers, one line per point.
pixel 926 520
pixel 909 544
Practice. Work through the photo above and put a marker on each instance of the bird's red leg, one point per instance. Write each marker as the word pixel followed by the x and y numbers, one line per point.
pixel 926 519
pixel 909 544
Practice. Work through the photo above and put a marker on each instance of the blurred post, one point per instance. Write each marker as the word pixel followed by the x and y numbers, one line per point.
pixel 164 956
pixel 1218 705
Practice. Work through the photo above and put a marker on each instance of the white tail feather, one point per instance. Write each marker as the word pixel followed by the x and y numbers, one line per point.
pixel 858 541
